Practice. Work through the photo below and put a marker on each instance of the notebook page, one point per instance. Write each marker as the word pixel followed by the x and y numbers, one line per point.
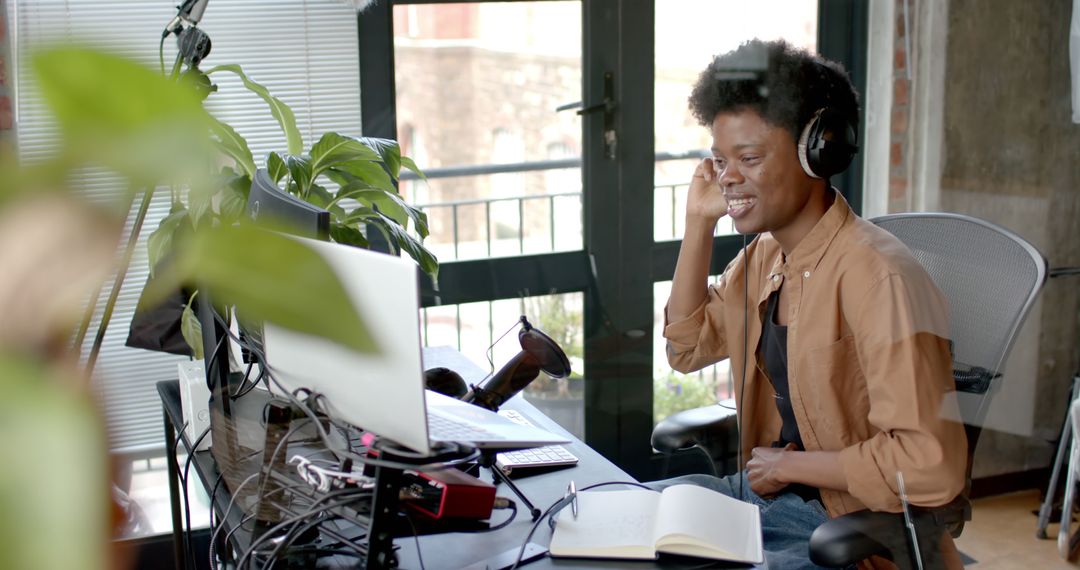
pixel 699 517
pixel 611 524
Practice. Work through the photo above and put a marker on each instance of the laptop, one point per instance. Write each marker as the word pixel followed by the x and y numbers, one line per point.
pixel 384 393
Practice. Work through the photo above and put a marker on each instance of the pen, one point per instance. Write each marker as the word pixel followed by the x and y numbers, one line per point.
pixel 572 491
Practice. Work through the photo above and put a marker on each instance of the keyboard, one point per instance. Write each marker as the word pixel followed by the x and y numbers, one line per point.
pixel 446 429
pixel 547 456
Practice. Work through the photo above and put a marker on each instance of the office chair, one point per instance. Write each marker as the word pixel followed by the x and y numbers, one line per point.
pixel 990 277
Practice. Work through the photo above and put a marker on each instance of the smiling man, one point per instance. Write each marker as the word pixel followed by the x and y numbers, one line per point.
pixel 836 335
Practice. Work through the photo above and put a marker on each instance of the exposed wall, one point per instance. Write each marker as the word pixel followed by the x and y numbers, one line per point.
pixel 7 123
pixel 1011 155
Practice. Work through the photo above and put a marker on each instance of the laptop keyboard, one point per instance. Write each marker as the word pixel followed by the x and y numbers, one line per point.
pixel 547 456
pixel 446 429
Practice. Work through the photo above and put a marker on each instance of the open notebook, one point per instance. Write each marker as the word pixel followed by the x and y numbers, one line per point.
pixel 384 393
pixel 682 519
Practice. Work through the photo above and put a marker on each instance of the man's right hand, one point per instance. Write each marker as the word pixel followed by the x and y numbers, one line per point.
pixel 705 200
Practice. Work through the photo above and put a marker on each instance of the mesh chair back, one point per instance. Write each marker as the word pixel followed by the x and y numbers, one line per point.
pixel 990 277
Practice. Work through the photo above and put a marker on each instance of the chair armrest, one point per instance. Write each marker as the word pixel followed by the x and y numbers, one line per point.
pixel 850 538
pixel 698 426
pixel 847 539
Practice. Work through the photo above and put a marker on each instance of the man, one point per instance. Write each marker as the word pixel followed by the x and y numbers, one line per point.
pixel 836 335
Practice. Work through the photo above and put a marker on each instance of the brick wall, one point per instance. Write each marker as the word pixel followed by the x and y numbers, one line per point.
pixel 900 191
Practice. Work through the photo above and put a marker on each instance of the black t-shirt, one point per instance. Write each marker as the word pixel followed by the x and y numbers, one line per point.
pixel 774 355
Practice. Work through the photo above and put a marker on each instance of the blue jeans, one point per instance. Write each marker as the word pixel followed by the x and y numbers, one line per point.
pixel 786 520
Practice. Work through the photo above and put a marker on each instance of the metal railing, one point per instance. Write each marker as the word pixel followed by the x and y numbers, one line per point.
pixel 455 243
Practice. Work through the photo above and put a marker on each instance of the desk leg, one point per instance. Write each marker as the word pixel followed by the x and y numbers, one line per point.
pixel 174 494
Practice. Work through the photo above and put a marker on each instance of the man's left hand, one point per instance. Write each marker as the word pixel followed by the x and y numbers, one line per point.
pixel 763 469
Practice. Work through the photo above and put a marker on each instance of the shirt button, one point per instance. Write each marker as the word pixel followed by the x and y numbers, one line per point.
pixel 775 277
pixel 806 274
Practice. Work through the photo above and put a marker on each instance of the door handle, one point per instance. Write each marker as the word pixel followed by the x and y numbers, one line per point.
pixel 608 106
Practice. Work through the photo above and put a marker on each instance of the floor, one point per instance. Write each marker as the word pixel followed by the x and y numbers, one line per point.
pixel 1001 535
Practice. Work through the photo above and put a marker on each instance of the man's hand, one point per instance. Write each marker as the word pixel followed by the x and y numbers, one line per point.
pixel 763 469
pixel 705 200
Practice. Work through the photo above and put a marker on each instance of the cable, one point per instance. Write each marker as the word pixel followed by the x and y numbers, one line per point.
pixel 739 397
pixel 511 505
pixel 316 508
pixel 513 515
pixel 225 516
pixel 181 476
pixel 324 435
pixel 161 54
pixel 246 386
pixel 213 499
pixel 187 499
pixel 416 537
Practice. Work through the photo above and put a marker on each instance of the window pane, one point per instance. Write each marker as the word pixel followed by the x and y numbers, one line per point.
pixel 486 333
pixel 478 85
pixel 674 391
pixel 684 46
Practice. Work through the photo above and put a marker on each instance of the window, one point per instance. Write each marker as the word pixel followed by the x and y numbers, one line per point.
pixel 304 53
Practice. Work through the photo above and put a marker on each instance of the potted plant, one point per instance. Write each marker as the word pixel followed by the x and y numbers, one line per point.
pixel 364 170
pixel 56 247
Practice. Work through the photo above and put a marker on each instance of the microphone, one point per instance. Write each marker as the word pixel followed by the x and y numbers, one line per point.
pixel 538 352
pixel 190 12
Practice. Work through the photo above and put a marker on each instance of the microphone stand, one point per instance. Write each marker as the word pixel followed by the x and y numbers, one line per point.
pixel 487 459
pixel 538 352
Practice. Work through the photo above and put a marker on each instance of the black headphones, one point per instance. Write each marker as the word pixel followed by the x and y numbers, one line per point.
pixel 827 144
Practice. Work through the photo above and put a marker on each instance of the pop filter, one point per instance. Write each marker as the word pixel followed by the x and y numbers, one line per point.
pixel 538 352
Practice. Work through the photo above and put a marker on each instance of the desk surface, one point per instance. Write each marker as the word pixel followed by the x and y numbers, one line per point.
pixel 459 550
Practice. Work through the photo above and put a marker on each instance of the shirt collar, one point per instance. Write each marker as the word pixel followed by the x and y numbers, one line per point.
pixel 807 255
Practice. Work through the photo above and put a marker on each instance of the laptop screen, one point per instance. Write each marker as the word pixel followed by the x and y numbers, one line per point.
pixel 382 393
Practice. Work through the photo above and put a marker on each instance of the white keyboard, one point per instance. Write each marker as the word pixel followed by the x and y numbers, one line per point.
pixel 547 456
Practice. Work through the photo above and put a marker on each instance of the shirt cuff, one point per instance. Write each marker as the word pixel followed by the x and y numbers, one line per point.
pixel 865 480
pixel 683 334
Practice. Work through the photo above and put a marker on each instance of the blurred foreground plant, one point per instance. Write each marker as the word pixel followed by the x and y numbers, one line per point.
pixel 56 248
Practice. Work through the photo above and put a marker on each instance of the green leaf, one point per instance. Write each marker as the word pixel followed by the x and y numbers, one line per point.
pixel 348 235
pixel 284 115
pixel 408 163
pixel 388 203
pixel 231 143
pixel 199 202
pixel 372 173
pixel 270 277
pixel 122 115
pixel 275 167
pixel 389 151
pixel 160 242
pixel 57 477
pixel 407 243
pixel 300 173
pixel 233 198
pixel 334 149
pixel 319 196
pixel 191 328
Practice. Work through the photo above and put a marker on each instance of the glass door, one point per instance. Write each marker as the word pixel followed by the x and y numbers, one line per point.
pixel 684 47
pixel 479 87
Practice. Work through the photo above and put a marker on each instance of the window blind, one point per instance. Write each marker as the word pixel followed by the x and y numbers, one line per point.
pixel 304 52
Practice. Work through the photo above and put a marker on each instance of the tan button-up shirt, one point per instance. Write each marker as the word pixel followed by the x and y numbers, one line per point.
pixel 869 368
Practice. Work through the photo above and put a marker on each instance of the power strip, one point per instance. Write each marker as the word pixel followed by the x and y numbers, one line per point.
pixel 195 401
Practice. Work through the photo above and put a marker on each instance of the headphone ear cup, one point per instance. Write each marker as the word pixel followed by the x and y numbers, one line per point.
pixel 803 147
pixel 827 144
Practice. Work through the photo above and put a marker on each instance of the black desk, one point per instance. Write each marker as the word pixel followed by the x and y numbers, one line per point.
pixel 448 550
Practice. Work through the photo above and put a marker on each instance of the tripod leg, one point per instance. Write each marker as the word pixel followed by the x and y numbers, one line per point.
pixel 501 477
pixel 1062 451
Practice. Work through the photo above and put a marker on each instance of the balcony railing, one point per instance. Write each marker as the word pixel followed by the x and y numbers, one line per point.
pixel 445 324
